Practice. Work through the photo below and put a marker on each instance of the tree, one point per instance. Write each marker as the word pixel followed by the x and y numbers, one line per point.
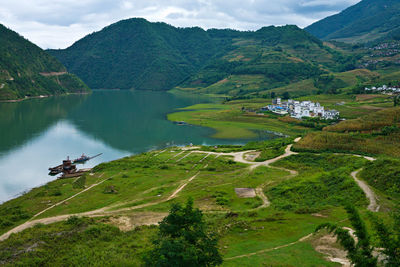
pixel 286 95
pixel 396 101
pixel 273 94
pixel 360 253
pixel 389 238
pixel 183 240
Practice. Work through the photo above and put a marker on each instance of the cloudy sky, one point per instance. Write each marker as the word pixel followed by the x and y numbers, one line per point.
pixel 59 23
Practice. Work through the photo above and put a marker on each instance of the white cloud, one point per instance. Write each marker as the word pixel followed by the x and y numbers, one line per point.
pixel 59 23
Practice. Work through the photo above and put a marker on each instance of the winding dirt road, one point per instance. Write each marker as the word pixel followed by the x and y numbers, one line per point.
pixel 373 206
pixel 238 157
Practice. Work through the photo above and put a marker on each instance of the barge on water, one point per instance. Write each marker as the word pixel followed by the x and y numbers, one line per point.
pixel 84 158
pixel 68 169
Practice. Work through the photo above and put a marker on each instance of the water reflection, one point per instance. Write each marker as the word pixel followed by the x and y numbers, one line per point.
pixel 40 133
pixel 26 167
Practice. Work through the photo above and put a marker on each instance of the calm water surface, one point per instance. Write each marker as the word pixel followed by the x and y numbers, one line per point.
pixel 40 133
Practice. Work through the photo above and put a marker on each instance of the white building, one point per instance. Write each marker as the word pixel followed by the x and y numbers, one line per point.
pixel 331 114
pixel 303 109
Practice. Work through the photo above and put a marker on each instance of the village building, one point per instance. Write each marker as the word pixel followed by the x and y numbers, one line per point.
pixel 299 110
pixel 384 89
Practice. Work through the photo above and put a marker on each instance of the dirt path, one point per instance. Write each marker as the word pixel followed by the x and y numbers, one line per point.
pixel 269 249
pixel 94 213
pixel 65 200
pixel 181 187
pixel 260 194
pixel 2 86
pixel 373 206
pixel 240 156
pixel 47 74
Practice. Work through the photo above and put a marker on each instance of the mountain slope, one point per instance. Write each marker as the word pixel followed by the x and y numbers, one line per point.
pixel 268 58
pixel 137 54
pixel 27 70
pixel 366 21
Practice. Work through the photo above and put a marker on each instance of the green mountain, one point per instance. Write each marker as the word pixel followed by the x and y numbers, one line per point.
pixel 366 21
pixel 269 58
pixel 26 70
pixel 137 54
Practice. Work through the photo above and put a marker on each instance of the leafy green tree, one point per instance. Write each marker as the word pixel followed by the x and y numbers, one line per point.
pixel 359 253
pixel 396 101
pixel 389 239
pixel 273 94
pixel 183 240
pixel 286 95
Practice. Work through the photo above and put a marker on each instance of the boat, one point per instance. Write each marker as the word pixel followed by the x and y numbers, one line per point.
pixel 81 159
pixel 68 168
pixel 84 158
pixel 180 122
pixel 55 170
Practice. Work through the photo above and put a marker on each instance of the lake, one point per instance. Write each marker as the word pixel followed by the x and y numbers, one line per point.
pixel 40 133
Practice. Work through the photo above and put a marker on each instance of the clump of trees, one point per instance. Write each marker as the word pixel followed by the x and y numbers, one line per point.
pixel 360 251
pixel 183 240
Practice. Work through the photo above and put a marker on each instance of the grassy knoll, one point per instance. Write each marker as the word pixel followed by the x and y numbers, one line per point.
pixel 76 242
pixel 243 225
pixel 135 180
pixel 323 181
pixel 377 134
pixel 230 122
pixel 20 209
pixel 384 175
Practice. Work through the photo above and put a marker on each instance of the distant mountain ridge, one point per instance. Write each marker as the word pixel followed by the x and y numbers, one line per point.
pixel 137 54
pixel 27 71
pixel 367 21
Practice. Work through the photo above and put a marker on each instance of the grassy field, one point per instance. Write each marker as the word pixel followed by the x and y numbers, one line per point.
pixel 374 134
pixel 298 205
pixel 298 192
pixel 239 119
pixel 230 122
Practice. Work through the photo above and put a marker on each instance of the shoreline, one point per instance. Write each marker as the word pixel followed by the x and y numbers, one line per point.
pixel 40 97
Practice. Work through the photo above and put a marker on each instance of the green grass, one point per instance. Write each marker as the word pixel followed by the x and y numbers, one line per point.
pixel 301 254
pixel 324 181
pixel 384 175
pixel 76 242
pixel 18 210
pixel 231 123
pixel 242 227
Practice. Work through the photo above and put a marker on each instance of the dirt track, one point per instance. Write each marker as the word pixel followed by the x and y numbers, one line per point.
pixel 373 206
pixel 106 212
pixel 238 156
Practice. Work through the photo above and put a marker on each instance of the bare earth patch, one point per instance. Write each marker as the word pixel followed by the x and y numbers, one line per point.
pixel 245 192
pixel 129 222
pixel 327 245
pixel 252 156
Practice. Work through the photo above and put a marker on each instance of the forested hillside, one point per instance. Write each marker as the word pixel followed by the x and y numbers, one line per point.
pixel 366 21
pixel 269 58
pixel 26 70
pixel 137 54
